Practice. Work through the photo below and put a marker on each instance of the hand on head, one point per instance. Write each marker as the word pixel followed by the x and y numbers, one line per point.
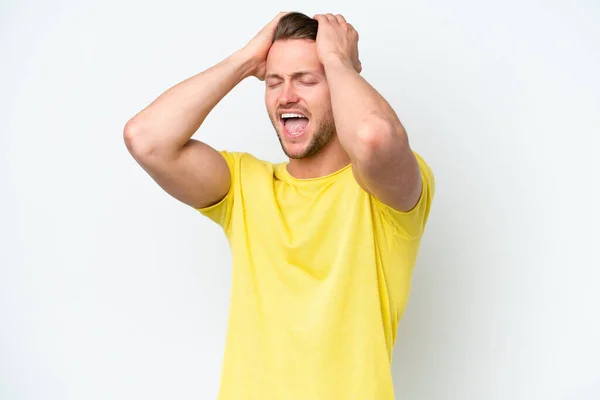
pixel 258 47
pixel 336 40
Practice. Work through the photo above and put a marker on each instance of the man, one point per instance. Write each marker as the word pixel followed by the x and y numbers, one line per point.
pixel 324 245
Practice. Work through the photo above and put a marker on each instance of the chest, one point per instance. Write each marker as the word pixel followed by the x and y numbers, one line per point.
pixel 311 226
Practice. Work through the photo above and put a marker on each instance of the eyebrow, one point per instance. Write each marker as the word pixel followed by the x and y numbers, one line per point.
pixel 295 75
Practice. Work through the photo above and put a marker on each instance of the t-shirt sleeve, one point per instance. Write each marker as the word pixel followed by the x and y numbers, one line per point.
pixel 220 212
pixel 411 224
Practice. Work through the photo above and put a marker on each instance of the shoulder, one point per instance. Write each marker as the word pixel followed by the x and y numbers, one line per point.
pixel 237 158
pixel 244 165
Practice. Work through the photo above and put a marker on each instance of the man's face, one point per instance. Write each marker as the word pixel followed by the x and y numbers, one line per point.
pixel 296 86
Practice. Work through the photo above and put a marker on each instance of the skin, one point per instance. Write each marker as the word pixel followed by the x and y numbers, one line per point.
pixel 350 122
pixel 295 81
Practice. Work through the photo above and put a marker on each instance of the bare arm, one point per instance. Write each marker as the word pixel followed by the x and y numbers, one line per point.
pixel 159 136
pixel 374 138
pixel 368 128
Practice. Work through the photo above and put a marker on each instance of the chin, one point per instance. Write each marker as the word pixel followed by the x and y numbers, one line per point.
pixel 306 145
pixel 298 155
pixel 294 150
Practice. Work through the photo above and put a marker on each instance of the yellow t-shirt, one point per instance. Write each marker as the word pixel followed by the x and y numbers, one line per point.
pixel 321 277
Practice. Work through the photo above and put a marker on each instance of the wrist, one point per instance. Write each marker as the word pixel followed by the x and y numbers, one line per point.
pixel 336 61
pixel 244 63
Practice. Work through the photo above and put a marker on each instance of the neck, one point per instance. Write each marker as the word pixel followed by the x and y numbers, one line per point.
pixel 329 159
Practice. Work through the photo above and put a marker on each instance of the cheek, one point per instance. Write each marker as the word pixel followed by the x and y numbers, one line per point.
pixel 270 103
pixel 316 95
pixel 319 104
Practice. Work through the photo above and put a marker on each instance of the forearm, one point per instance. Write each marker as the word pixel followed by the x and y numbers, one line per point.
pixel 363 118
pixel 170 121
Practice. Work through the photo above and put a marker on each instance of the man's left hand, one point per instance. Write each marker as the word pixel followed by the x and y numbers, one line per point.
pixel 337 40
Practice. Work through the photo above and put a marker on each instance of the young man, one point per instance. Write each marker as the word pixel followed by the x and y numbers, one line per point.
pixel 323 245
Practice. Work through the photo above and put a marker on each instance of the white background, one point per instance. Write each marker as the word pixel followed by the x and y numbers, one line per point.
pixel 111 289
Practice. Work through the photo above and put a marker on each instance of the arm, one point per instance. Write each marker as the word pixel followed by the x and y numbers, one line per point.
pixel 159 137
pixel 368 128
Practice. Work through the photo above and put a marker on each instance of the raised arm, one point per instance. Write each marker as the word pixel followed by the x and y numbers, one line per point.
pixel 159 136
pixel 368 128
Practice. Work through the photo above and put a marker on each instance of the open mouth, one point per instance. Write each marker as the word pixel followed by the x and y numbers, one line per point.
pixel 294 124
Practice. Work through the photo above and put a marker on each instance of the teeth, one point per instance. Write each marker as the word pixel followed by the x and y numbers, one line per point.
pixel 289 115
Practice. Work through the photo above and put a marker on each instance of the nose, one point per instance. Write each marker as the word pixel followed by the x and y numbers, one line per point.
pixel 288 94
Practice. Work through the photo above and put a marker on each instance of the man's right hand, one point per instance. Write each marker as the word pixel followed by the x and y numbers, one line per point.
pixel 258 48
pixel 159 137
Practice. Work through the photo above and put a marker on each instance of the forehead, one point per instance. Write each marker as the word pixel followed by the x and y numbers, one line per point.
pixel 288 56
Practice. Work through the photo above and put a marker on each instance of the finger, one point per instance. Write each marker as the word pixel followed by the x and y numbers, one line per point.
pixel 275 20
pixel 340 19
pixel 320 18
pixel 278 16
pixel 330 18
pixel 356 60
pixel 357 66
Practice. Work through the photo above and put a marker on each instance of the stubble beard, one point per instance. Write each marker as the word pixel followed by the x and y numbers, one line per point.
pixel 322 136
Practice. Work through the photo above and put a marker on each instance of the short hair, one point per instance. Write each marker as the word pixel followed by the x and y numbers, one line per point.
pixel 296 25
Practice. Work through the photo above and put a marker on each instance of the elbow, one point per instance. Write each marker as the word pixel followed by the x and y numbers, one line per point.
pixel 136 140
pixel 378 137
